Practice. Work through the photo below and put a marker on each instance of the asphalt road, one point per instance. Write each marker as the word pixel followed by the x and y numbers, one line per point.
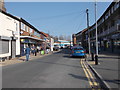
pixel 58 70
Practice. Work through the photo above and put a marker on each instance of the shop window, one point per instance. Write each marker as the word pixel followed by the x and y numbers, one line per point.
pixel 117 44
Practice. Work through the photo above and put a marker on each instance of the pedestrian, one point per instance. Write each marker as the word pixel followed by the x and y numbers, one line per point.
pixel 35 51
pixel 27 52
pixel 32 49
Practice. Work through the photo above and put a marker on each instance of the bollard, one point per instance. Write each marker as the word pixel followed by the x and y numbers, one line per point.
pixel 92 54
pixel 96 60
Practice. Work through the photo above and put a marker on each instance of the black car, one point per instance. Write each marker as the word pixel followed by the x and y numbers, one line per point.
pixel 55 48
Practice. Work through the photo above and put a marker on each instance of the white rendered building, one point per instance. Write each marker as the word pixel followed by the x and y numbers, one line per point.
pixel 9 36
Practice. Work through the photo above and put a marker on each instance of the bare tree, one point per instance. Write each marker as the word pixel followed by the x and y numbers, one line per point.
pixel 61 37
pixel 68 38
pixel 56 38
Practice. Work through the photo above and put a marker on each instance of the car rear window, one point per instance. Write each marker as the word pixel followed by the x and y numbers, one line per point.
pixel 78 48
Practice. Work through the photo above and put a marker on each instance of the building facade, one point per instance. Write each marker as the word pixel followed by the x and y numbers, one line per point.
pixel 9 36
pixel 108 29
pixel 16 34
pixel 30 36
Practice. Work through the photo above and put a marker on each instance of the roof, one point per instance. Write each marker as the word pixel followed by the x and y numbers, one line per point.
pixel 45 34
pixel 24 21
pixel 8 14
pixel 82 31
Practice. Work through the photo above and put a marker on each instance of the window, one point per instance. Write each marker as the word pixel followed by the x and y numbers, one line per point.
pixel 109 13
pixel 117 5
pixel 30 30
pixel 26 29
pixel 106 16
pixel 106 27
pixel 23 26
pixel 112 23
pixel 35 33
pixel 16 27
pixel 103 19
pixel 112 10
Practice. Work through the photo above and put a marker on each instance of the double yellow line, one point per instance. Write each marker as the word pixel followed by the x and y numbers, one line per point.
pixel 89 75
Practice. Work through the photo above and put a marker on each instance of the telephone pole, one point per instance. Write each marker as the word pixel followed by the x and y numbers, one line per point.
pixel 88 31
pixel 96 56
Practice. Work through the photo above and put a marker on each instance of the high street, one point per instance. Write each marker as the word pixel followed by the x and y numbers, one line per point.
pixel 58 70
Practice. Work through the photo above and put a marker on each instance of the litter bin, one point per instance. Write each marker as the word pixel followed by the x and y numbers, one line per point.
pixel 42 52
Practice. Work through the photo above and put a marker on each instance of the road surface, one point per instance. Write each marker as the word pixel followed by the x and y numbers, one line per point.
pixel 58 70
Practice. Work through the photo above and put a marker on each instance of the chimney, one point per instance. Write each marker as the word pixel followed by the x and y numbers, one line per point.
pixel 2 5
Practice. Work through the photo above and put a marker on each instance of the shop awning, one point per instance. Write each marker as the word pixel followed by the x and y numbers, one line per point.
pixel 28 37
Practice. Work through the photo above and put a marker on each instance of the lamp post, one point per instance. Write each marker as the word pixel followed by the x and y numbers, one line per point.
pixel 88 31
pixel 96 56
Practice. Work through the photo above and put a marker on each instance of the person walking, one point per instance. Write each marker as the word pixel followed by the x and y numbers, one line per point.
pixel 27 52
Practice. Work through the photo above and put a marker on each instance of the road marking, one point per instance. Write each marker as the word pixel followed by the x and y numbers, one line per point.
pixel 88 74
pixel 94 82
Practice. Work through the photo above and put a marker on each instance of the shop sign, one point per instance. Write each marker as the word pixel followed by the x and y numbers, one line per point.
pixel 26 41
pixel 115 36
pixel 104 38
pixel 32 41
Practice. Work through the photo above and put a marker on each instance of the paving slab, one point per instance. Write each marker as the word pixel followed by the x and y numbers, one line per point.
pixel 108 69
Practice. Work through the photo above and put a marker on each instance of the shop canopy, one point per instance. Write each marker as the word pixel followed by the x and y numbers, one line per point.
pixel 28 37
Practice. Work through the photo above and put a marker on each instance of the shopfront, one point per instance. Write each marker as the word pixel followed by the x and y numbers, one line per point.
pixel 29 42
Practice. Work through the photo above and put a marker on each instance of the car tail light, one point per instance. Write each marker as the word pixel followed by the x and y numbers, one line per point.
pixel 83 51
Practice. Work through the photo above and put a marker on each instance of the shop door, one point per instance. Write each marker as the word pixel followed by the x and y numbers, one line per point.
pixel 22 49
pixel 13 49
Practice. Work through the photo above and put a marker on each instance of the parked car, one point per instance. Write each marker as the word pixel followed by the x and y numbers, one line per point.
pixel 78 51
pixel 56 48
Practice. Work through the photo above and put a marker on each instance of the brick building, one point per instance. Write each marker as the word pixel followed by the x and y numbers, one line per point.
pixel 108 30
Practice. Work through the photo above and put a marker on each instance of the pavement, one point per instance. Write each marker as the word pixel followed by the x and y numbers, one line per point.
pixel 22 59
pixel 107 69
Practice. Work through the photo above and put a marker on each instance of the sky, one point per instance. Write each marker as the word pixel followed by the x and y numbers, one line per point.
pixel 57 18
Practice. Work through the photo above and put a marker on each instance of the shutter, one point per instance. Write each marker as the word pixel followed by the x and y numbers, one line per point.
pixel 5 46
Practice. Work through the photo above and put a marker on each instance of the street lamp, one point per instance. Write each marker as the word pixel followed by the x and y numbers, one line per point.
pixel 88 31
pixel 96 56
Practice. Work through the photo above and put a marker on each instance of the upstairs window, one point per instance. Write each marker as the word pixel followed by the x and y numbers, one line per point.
pixel 112 23
pixel 30 30
pixel 23 26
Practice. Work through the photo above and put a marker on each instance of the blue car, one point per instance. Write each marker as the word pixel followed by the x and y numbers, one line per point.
pixel 78 51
